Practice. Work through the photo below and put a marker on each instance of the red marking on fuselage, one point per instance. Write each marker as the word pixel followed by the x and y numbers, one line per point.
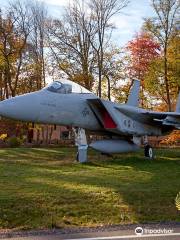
pixel 107 119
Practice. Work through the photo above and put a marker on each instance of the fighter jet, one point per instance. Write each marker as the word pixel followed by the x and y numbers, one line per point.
pixel 67 103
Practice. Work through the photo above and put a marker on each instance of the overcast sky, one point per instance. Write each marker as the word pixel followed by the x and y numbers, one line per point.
pixel 127 23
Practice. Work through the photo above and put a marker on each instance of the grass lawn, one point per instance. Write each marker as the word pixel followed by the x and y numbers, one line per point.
pixel 44 188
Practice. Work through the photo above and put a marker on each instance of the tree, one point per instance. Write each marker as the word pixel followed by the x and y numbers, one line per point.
pixel 154 79
pixel 70 42
pixel 112 73
pixel 22 43
pixel 173 57
pixel 163 28
pixel 80 40
pixel 143 49
pixel 14 31
pixel 37 40
pixel 102 12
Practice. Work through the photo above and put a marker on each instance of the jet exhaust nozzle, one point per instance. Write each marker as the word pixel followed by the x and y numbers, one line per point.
pixel 114 146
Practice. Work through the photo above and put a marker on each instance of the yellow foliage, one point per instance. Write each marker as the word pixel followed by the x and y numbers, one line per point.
pixel 3 136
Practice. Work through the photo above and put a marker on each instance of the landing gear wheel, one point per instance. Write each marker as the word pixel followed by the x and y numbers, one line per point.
pixel 148 152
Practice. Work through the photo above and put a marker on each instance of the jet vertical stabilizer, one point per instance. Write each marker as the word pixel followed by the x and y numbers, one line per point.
pixel 133 99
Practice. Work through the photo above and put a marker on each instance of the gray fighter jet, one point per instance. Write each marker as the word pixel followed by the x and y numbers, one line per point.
pixel 67 103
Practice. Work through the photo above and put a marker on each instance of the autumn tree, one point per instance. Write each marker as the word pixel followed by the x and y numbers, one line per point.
pixel 70 43
pixel 143 49
pixel 112 73
pixel 1 66
pixel 162 26
pixel 155 76
pixel 14 30
pixel 22 43
pixel 79 40
pixel 173 58
pixel 37 41
pixel 102 12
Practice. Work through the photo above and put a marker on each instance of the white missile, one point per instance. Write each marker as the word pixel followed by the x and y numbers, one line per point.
pixel 114 146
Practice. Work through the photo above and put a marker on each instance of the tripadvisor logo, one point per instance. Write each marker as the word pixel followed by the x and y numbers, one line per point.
pixel 139 231
pixel 177 201
pixel 149 231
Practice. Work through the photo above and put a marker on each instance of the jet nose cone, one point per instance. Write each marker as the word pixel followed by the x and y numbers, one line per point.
pixel 6 108
pixel 2 108
pixel 22 107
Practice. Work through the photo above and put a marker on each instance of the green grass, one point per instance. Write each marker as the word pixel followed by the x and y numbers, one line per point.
pixel 44 188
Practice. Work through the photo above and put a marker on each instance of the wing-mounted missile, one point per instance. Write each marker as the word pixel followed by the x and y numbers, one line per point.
pixel 114 146
pixel 157 119
pixel 172 121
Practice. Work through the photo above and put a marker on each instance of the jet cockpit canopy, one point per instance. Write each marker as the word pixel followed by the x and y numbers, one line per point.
pixel 65 87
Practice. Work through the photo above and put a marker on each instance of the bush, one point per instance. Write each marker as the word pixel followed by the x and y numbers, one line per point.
pixel 172 139
pixel 3 136
pixel 14 142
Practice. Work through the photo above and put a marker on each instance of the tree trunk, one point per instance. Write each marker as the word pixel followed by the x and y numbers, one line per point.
pixel 109 88
pixel 99 84
pixel 1 86
pixel 6 86
pixel 142 89
pixel 99 76
pixel 166 78
pixel 13 93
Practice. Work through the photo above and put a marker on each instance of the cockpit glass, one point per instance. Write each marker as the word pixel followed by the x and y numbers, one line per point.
pixel 58 87
pixel 65 87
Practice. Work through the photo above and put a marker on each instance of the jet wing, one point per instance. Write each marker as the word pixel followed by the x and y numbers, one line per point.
pixel 167 118
pixel 151 117
pixel 161 115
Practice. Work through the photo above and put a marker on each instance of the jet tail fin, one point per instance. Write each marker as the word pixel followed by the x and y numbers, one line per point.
pixel 133 99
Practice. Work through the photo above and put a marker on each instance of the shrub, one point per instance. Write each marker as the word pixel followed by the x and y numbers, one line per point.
pixel 172 139
pixel 14 142
pixel 3 136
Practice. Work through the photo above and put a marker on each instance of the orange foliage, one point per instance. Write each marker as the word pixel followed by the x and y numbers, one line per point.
pixel 172 139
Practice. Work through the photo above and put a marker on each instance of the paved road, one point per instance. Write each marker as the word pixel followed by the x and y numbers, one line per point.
pixel 97 237
pixel 100 234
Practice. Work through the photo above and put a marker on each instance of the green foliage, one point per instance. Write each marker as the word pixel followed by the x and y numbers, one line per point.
pixel 14 142
pixel 163 26
pixel 174 62
pixel 154 79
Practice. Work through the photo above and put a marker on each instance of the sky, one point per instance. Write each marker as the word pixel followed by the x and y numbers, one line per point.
pixel 127 23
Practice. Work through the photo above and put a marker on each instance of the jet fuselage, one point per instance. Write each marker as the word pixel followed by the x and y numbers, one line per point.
pixel 69 104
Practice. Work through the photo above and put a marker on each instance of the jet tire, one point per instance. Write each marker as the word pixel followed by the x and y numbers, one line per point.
pixel 148 152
